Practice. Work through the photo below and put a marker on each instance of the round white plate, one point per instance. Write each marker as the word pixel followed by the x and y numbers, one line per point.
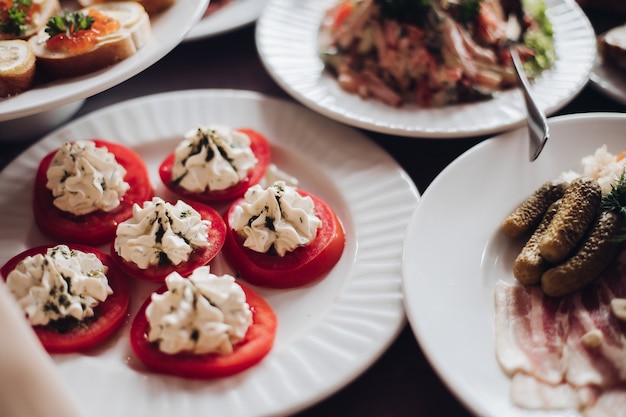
pixel 287 43
pixel 609 80
pixel 329 332
pixel 454 252
pixel 230 17
pixel 168 30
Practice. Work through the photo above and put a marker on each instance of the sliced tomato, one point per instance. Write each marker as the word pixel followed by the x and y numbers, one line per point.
pixel 261 149
pixel 302 266
pixel 108 316
pixel 255 346
pixel 198 257
pixel 95 228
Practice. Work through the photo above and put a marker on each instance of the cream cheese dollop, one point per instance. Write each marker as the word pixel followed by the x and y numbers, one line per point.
pixel 203 313
pixel 84 178
pixel 160 229
pixel 277 216
pixel 212 158
pixel 60 283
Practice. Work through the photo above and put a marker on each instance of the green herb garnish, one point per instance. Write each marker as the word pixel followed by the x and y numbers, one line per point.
pixel 615 200
pixel 68 23
pixel 539 38
pixel 16 18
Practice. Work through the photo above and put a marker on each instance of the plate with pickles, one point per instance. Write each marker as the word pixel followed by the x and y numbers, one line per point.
pixel 456 252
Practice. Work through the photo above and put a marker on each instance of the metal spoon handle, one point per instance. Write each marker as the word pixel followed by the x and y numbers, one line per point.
pixel 538 129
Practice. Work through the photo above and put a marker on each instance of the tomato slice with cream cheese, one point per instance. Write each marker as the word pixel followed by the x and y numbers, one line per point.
pixel 261 149
pixel 199 257
pixel 108 316
pixel 251 350
pixel 302 266
pixel 98 227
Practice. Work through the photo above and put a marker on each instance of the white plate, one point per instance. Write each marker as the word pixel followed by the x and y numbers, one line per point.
pixel 609 80
pixel 168 29
pixel 454 253
pixel 287 43
pixel 230 17
pixel 328 332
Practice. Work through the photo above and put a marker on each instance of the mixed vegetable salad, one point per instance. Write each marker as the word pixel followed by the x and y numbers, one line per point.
pixel 431 52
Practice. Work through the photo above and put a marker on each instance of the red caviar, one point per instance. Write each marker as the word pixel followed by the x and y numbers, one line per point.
pixel 29 10
pixel 84 40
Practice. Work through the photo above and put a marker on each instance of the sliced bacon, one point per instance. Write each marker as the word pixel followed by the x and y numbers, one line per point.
pixel 530 332
pixel 611 403
pixel 567 352
pixel 531 393
pixel 604 365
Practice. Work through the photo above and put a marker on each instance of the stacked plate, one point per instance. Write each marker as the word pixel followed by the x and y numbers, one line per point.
pixel 48 105
pixel 287 43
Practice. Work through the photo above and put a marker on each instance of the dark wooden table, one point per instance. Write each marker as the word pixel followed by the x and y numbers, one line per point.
pixel 401 383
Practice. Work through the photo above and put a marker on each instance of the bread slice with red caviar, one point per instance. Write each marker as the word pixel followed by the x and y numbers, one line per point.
pixel 21 19
pixel 152 6
pixel 17 67
pixel 117 31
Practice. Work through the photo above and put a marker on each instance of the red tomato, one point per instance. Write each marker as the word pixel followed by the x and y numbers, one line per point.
pixel 98 227
pixel 261 148
pixel 254 347
pixel 198 257
pixel 109 315
pixel 303 265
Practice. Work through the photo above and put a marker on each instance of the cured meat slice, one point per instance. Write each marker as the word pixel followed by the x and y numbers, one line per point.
pixel 528 392
pixel 611 403
pixel 601 363
pixel 567 352
pixel 530 332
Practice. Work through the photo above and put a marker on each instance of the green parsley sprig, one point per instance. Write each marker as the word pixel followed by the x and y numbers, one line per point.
pixel 68 23
pixel 15 23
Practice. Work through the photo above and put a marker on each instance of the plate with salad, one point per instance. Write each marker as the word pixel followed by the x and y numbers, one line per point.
pixel 430 69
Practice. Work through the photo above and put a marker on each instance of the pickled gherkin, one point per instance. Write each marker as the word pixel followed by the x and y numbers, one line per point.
pixel 529 265
pixel 527 215
pixel 578 208
pixel 578 237
pixel 597 251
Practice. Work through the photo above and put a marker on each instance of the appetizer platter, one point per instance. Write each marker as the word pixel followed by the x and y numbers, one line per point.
pixel 165 30
pixel 473 286
pixel 291 55
pixel 233 15
pixel 353 311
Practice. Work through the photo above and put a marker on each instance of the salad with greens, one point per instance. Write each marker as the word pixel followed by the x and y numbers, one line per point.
pixel 432 52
